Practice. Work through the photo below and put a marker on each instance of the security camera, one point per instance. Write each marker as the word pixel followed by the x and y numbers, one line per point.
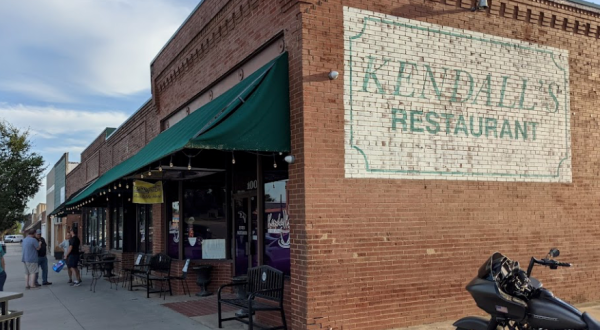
pixel 333 75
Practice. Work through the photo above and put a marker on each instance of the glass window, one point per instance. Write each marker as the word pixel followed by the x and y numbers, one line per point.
pixel 173 240
pixel 94 221
pixel 277 226
pixel 205 223
pixel 117 234
pixel 144 238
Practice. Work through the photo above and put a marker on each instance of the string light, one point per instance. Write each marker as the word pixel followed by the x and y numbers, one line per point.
pixel 232 158
pixel 189 163
pixel 160 166
pixel 149 171
pixel 171 162
pixel 142 176
pixel 274 162
pixel 127 186
pixel 119 184
pixel 108 189
pixel 119 194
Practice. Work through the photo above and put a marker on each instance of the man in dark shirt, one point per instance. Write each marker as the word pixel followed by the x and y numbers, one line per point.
pixel 42 259
pixel 72 257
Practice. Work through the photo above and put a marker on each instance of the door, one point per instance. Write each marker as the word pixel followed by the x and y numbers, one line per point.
pixel 245 213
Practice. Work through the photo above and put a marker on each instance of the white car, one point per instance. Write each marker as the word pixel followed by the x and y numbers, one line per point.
pixel 13 238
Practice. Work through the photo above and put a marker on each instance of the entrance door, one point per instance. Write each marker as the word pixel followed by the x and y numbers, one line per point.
pixel 245 212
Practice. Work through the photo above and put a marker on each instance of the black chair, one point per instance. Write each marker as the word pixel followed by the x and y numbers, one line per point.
pixel 159 270
pixel 127 273
pixel 183 277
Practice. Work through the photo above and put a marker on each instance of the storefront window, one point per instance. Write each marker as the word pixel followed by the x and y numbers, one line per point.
pixel 117 234
pixel 173 240
pixel 144 237
pixel 277 226
pixel 94 221
pixel 205 223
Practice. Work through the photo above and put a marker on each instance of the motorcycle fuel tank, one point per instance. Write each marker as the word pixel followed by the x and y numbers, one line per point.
pixel 549 312
pixel 489 298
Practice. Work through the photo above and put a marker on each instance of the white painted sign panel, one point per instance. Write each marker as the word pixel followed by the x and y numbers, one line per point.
pixel 424 101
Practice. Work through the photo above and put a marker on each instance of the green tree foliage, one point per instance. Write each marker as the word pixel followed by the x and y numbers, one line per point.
pixel 20 174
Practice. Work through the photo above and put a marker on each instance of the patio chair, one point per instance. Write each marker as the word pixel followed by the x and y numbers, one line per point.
pixel 183 277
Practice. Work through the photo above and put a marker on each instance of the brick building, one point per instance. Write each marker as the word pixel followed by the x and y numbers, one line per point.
pixel 449 134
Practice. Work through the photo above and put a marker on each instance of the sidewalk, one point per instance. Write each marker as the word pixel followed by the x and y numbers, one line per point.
pixel 60 306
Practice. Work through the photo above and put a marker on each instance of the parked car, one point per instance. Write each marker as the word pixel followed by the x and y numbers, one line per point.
pixel 13 238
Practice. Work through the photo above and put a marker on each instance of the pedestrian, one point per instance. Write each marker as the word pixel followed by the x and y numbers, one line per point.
pixel 65 246
pixel 30 258
pixel 73 257
pixel 42 259
pixel 2 269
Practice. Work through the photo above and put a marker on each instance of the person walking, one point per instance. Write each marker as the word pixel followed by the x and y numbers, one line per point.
pixel 42 259
pixel 73 257
pixel 65 246
pixel 30 258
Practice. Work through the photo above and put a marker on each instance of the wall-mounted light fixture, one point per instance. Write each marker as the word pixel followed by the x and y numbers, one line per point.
pixel 333 75
pixel 481 4
pixel 290 159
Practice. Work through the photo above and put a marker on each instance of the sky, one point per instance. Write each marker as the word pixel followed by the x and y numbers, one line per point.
pixel 71 68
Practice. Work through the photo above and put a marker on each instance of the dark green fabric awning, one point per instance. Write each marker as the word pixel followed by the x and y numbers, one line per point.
pixel 253 115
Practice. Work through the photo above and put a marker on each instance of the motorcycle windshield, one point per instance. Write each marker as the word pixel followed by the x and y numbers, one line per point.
pixel 492 266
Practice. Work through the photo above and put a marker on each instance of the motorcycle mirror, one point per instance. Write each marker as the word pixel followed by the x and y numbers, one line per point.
pixel 554 252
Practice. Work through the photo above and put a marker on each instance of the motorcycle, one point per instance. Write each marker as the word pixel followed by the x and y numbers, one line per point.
pixel 516 301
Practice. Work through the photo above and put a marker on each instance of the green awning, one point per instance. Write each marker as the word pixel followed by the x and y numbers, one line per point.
pixel 254 115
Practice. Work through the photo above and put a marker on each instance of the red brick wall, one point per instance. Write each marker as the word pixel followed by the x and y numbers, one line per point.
pixel 365 241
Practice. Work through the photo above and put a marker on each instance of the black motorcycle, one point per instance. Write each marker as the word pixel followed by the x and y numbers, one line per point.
pixel 517 301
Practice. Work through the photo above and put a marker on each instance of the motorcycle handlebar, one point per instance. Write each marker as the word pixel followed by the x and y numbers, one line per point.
pixel 545 262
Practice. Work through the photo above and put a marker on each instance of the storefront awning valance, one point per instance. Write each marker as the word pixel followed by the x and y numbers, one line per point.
pixel 253 115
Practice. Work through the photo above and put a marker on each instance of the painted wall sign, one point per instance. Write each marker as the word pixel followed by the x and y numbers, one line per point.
pixel 424 101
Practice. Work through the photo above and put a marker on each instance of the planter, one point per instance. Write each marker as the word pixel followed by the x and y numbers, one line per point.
pixel 203 279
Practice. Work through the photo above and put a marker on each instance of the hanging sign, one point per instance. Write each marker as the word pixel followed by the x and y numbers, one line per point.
pixel 147 193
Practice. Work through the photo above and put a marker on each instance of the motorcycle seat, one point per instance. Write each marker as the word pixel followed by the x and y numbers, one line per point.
pixel 591 323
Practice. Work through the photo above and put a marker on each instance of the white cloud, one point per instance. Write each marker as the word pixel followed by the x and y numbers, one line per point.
pixel 89 46
pixel 64 124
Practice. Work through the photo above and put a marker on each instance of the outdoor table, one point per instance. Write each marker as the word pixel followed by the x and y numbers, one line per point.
pixel 98 268
pixel 5 297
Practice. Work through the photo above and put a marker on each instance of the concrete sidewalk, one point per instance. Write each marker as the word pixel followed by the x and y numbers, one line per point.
pixel 60 306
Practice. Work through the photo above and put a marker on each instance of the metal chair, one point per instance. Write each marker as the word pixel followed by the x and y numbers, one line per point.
pixel 183 277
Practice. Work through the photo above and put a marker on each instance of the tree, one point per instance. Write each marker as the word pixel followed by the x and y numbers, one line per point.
pixel 20 174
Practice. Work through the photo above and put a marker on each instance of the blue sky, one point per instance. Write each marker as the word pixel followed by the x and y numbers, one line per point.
pixel 70 68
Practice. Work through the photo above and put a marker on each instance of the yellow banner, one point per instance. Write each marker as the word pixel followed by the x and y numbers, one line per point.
pixel 147 193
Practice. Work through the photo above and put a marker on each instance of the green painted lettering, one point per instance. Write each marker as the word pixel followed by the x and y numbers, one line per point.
pixel 447 116
pixel 506 128
pixel 534 125
pixel 502 92
pixel 461 125
pixel 456 87
pixel 414 120
pixel 488 83
pixel 435 124
pixel 522 100
pixel 491 125
pixel 520 129
pixel 401 120
pixel 371 74
pixel 554 98
pixel 407 77
pixel 478 134
pixel 430 74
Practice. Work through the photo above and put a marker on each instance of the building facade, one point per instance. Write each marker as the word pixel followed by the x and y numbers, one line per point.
pixel 55 198
pixel 448 135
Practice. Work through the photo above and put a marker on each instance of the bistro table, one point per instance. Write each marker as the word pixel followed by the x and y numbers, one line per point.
pixel 98 268
pixel 5 297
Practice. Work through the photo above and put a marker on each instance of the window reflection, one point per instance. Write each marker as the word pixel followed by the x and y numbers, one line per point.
pixel 205 223
pixel 277 226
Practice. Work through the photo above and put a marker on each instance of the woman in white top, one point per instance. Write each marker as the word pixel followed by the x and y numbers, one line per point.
pixel 65 246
